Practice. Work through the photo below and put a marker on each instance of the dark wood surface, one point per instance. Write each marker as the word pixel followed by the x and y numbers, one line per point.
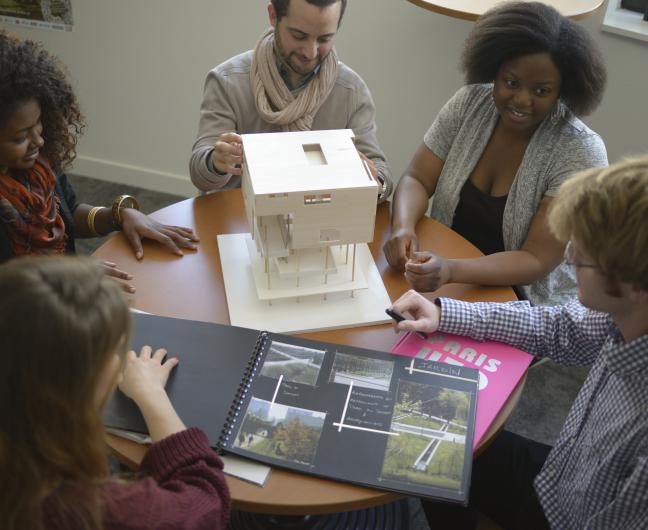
pixel 192 287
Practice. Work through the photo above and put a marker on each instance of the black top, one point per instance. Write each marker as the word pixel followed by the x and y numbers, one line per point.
pixel 479 217
pixel 69 203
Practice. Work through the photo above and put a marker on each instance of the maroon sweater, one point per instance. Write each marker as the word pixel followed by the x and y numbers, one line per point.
pixel 184 489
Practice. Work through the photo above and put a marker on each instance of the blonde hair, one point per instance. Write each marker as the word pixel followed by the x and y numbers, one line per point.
pixel 61 320
pixel 606 211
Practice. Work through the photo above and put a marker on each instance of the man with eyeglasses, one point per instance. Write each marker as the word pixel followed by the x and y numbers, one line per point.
pixel 596 475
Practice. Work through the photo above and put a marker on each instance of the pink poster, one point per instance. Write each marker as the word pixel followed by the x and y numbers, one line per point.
pixel 500 367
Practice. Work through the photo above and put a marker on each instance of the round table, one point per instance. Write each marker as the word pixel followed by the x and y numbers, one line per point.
pixel 192 287
pixel 473 9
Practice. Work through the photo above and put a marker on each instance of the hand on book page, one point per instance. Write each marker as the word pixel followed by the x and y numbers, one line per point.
pixel 143 380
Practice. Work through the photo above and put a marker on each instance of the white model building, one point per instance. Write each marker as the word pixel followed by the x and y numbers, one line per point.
pixel 309 199
pixel 310 202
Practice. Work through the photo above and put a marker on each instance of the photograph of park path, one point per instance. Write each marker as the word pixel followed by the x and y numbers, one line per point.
pixel 431 423
pixel 295 363
pixel 280 431
pixel 362 371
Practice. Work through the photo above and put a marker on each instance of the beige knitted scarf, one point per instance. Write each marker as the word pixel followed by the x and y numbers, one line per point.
pixel 270 91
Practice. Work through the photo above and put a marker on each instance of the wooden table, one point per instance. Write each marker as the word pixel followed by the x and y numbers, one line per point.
pixel 192 287
pixel 473 9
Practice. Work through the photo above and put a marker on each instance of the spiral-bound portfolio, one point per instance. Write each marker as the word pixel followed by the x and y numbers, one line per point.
pixel 346 413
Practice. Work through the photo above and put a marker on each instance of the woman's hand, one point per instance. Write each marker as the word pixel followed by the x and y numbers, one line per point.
pixel 110 269
pixel 143 380
pixel 427 315
pixel 145 376
pixel 426 271
pixel 400 247
pixel 137 226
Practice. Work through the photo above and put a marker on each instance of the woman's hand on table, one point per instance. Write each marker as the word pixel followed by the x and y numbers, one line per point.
pixel 137 226
pixel 400 247
pixel 427 272
pixel 110 269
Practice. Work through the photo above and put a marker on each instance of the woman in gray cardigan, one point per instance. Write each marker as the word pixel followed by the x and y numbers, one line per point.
pixel 498 151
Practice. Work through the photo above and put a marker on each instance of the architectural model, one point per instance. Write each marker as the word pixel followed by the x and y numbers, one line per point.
pixel 308 199
pixel 310 202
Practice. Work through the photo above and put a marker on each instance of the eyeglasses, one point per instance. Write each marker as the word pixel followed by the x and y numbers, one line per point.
pixel 570 258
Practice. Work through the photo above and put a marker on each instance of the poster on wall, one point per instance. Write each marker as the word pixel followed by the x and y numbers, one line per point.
pixel 46 14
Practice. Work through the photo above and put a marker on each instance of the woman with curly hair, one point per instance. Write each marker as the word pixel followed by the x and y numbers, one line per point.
pixel 40 123
pixel 64 331
pixel 496 154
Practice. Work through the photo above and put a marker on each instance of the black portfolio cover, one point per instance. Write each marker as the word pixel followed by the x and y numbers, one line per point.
pixel 340 412
pixel 213 361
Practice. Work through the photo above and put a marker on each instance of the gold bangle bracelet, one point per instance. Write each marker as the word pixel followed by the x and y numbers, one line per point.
pixel 91 220
pixel 121 202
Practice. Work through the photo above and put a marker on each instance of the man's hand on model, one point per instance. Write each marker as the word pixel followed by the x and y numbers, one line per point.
pixel 228 154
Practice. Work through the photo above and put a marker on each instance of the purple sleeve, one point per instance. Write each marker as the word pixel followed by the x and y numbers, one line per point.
pixel 184 488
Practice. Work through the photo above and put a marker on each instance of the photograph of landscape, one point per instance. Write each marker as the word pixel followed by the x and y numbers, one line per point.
pixel 431 423
pixel 362 371
pixel 280 431
pixel 295 363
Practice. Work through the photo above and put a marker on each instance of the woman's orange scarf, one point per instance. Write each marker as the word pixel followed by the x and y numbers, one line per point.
pixel 29 208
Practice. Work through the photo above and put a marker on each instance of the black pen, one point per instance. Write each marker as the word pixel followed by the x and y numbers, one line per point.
pixel 398 318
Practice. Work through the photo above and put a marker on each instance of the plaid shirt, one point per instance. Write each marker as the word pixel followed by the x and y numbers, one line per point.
pixel 596 475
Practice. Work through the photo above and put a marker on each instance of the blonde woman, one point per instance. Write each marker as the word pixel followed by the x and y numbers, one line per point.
pixel 64 329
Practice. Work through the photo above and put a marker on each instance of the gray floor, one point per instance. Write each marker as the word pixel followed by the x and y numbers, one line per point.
pixel 549 391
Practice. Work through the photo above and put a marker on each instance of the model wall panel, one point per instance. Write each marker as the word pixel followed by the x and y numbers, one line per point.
pixel 353 213
pixel 291 202
pixel 248 198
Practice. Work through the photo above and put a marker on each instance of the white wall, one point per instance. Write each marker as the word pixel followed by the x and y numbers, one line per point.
pixel 139 67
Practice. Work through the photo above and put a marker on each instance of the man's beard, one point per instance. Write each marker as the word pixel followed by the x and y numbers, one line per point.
pixel 292 62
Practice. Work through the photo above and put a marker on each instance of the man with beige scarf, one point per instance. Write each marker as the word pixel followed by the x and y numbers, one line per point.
pixel 291 81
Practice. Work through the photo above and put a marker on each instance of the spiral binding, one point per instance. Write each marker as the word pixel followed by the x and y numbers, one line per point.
pixel 242 391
